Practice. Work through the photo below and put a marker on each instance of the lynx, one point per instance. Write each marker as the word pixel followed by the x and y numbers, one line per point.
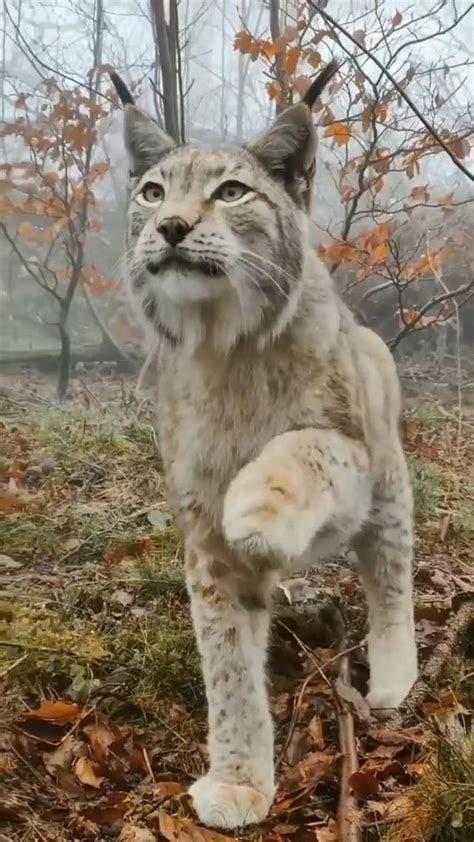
pixel 278 421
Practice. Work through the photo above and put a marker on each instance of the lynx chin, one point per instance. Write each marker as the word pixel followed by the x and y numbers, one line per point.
pixel 278 421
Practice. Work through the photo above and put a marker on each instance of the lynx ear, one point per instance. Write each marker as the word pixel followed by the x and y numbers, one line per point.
pixel 288 149
pixel 145 142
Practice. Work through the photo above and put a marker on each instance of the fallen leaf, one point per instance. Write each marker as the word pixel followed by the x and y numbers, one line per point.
pixel 182 830
pixel 7 563
pixel 11 504
pixel 61 713
pixel 86 771
pixel 309 772
pixel 328 834
pixel 158 519
pixel 363 785
pixel 351 695
pixel 315 730
pixel 62 756
pixel 70 784
pixel 394 810
pixel 100 735
pixel 167 789
pixel 41 730
pixel 106 816
pixel 123 598
pixel 132 833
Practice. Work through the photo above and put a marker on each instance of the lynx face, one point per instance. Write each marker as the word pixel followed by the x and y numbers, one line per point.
pixel 216 239
pixel 214 227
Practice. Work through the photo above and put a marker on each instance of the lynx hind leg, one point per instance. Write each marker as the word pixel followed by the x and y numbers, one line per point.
pixel 385 551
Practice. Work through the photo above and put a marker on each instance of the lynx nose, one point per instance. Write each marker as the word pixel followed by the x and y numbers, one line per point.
pixel 174 229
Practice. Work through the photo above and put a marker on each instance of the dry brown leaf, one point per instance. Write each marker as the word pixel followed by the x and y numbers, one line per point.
pixel 356 699
pixel 363 785
pixel 105 816
pixel 394 810
pixel 315 730
pixel 132 833
pixel 61 713
pixel 100 735
pixel 7 563
pixel 309 772
pixel 62 756
pixel 182 830
pixel 87 772
pixel 167 789
pixel 327 834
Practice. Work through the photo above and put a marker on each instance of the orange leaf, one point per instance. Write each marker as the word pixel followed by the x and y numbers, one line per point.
pixel 243 42
pixel 87 771
pixel 340 132
pixel 273 90
pixel 11 504
pixel 292 59
pixel 60 713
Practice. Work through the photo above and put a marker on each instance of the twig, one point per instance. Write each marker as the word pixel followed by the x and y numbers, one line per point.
pixel 347 812
pixel 15 664
pixel 327 17
pixel 423 687
pixel 148 764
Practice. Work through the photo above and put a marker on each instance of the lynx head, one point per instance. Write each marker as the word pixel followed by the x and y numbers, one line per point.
pixel 217 239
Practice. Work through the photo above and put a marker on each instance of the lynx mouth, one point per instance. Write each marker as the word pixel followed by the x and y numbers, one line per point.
pixel 172 260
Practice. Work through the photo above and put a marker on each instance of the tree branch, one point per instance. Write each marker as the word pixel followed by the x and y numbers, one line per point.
pixel 327 17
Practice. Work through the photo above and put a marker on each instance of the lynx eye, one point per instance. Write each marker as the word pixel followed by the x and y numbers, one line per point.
pixel 152 192
pixel 230 191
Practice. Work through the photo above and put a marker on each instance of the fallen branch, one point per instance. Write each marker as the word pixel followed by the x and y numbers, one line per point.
pixel 423 687
pixel 348 812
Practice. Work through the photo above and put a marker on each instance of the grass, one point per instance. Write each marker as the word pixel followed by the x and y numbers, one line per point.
pixel 443 803
pixel 428 487
pixel 104 587
pixel 99 607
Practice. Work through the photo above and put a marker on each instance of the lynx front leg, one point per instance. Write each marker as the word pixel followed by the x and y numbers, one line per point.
pixel 239 787
pixel 304 483
pixel 385 549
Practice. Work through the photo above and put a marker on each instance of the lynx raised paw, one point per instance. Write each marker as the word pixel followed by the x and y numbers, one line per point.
pixel 267 509
pixel 228 806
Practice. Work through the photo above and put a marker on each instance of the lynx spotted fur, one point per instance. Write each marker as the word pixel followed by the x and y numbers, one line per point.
pixel 278 423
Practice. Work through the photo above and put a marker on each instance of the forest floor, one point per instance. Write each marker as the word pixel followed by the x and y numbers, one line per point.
pixel 102 704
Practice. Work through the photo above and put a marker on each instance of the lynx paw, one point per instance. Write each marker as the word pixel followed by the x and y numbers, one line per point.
pixel 388 692
pixel 228 806
pixel 266 509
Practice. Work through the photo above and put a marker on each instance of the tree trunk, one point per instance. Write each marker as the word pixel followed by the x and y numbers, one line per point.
pixel 167 41
pixel 65 355
pixel 280 75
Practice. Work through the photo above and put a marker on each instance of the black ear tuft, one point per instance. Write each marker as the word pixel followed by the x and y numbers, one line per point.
pixel 125 96
pixel 316 88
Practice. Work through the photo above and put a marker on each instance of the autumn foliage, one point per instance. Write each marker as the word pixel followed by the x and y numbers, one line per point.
pixel 379 157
